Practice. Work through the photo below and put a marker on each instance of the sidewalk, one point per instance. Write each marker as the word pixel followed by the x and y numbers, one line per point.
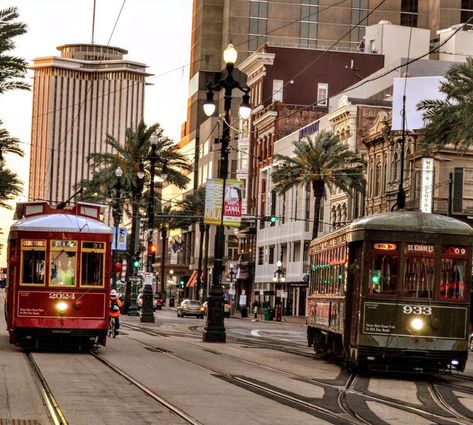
pixel 293 320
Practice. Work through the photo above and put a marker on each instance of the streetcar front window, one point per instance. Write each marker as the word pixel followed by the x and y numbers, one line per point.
pixel 63 262
pixel 419 277
pixel 93 264
pixel 419 271
pixel 33 267
pixel 92 269
pixel 384 272
pixel 452 279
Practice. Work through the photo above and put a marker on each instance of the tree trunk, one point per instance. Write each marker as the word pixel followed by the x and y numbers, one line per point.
pixel 164 243
pixel 318 188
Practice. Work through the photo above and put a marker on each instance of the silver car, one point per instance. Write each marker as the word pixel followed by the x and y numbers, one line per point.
pixel 191 308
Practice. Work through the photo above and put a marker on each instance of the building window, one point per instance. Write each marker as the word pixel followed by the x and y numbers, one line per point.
pixel 271 255
pixel 377 179
pixel 307 208
pixel 322 94
pixel 309 19
pixel 260 256
pixel 359 13
pixel 409 13
pixel 278 86
pixel 258 24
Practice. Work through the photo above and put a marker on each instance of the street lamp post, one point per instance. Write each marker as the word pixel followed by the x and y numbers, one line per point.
pixel 279 277
pixel 147 312
pixel 214 330
pixel 117 215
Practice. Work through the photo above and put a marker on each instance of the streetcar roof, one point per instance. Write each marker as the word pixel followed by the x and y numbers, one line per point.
pixel 412 221
pixel 61 223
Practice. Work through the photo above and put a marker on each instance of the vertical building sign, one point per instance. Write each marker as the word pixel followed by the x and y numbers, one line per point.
pixel 215 201
pixel 427 185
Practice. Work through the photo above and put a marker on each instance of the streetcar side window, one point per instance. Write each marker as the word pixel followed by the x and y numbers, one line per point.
pixel 384 273
pixel 419 273
pixel 63 263
pixel 93 264
pixel 33 261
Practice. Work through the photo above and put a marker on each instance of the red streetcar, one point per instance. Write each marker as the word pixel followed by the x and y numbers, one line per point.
pixel 58 281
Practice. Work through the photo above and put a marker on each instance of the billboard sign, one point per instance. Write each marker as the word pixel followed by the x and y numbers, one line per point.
pixel 230 215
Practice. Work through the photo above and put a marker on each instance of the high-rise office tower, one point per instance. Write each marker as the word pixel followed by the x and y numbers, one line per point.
pixel 319 24
pixel 78 98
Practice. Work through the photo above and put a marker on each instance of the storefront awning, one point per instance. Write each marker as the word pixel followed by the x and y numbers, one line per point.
pixel 192 280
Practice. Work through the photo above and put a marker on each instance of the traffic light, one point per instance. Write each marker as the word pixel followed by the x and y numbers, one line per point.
pixel 271 218
pixel 152 248
pixel 136 263
pixel 375 280
pixel 181 282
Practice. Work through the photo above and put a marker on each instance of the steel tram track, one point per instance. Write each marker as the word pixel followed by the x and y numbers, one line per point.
pixel 267 390
pixel 343 394
pixel 150 393
pixel 52 407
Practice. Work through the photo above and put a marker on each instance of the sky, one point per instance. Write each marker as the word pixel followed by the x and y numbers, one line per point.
pixel 155 32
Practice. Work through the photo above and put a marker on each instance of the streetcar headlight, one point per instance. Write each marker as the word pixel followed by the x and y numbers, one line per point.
pixel 454 362
pixel 417 324
pixel 61 306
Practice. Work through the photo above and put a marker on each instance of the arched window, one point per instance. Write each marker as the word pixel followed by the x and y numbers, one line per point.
pixel 333 217
pixel 377 179
pixel 344 214
pixel 395 167
pixel 339 216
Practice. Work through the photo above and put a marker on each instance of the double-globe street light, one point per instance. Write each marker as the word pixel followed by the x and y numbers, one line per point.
pixel 278 278
pixel 214 330
pixel 117 215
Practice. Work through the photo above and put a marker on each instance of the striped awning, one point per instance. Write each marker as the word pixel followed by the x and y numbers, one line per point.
pixel 192 280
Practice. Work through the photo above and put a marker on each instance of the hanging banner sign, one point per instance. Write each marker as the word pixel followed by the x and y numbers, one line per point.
pixel 230 203
pixel 120 234
pixel 427 185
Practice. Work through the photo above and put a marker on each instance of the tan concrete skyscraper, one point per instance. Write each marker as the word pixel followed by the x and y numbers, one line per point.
pixel 78 98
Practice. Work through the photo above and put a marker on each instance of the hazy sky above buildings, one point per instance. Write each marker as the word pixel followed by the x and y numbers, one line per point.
pixel 155 32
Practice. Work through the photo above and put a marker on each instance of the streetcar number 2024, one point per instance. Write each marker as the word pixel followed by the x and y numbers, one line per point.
pixel 417 309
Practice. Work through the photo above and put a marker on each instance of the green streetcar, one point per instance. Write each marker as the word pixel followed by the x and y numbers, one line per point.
pixel 392 292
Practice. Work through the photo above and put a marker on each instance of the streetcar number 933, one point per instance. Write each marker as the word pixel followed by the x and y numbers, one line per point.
pixel 417 309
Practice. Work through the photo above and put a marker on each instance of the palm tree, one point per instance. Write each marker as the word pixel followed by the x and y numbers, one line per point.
pixel 132 157
pixel 10 185
pixel 450 121
pixel 166 219
pixel 193 207
pixel 317 162
pixel 12 69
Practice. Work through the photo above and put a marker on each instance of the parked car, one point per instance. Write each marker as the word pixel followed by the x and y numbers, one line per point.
pixel 157 302
pixel 227 309
pixel 191 308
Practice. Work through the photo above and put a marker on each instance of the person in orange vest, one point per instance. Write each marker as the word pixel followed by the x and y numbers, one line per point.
pixel 115 306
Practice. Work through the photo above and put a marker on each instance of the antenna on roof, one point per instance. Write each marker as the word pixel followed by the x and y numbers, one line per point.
pixel 93 23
